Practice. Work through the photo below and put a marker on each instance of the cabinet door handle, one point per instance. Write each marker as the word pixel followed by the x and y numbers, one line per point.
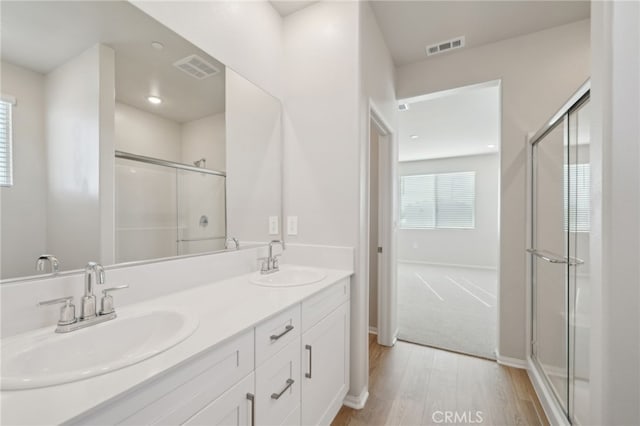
pixel 308 347
pixel 277 396
pixel 251 397
pixel 287 329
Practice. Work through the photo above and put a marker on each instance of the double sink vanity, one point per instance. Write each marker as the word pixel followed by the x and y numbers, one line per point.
pixel 255 349
pixel 139 149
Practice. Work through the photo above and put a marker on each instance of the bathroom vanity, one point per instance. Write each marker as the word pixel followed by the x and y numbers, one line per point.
pixel 260 355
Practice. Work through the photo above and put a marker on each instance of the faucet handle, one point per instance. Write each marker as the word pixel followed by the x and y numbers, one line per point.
pixel 264 264
pixel 106 303
pixel 67 312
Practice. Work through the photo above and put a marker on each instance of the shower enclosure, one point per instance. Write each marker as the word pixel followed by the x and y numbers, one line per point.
pixel 166 209
pixel 559 257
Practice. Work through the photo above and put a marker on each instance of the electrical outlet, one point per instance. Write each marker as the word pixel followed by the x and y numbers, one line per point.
pixel 273 225
pixel 292 225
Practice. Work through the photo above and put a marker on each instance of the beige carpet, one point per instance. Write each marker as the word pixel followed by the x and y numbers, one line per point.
pixel 452 308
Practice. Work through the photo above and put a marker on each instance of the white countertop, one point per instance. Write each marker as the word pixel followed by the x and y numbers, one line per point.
pixel 224 309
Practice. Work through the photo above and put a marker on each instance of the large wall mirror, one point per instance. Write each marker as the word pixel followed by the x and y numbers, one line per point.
pixel 123 142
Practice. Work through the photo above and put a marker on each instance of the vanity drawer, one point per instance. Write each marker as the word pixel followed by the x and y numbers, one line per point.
pixel 276 333
pixel 278 385
pixel 176 397
pixel 319 306
pixel 232 408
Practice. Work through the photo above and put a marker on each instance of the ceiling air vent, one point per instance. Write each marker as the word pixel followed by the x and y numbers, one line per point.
pixel 445 46
pixel 403 107
pixel 196 67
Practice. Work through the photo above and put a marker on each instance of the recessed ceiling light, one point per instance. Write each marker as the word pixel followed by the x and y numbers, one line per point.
pixel 414 136
pixel 491 146
pixel 157 45
pixel 154 100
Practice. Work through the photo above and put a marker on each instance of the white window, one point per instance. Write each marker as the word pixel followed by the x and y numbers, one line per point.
pixel 6 171
pixel 578 215
pixel 443 200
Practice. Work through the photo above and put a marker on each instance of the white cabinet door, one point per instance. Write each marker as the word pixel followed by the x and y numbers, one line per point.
pixel 325 367
pixel 278 386
pixel 235 407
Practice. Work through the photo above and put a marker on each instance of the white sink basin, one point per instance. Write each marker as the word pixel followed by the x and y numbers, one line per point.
pixel 289 276
pixel 44 358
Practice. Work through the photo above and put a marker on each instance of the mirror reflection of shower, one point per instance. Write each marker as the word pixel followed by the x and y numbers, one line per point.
pixel 202 163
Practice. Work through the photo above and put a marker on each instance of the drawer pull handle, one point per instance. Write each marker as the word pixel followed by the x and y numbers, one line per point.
pixel 251 397
pixel 287 329
pixel 277 396
pixel 308 375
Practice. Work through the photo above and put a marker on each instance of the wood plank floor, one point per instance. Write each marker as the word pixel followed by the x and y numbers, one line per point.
pixel 416 385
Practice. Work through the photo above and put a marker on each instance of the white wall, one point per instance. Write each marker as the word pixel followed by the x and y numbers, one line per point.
pixel 471 247
pixel 539 72
pixel 378 97
pixel 73 92
pixel 322 143
pixel 140 132
pixel 254 158
pixel 336 64
pixel 24 205
pixel 615 233
pixel 244 35
pixel 205 137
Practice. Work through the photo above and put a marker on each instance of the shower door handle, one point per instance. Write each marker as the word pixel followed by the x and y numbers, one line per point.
pixel 554 258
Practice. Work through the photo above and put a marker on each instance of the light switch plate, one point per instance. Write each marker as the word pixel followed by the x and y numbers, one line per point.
pixel 273 225
pixel 292 225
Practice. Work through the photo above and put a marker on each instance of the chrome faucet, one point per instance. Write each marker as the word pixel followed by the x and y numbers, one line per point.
pixel 51 259
pixel 67 322
pixel 270 265
pixel 92 271
pixel 234 241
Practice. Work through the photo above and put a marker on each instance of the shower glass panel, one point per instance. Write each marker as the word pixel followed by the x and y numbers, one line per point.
pixel 579 225
pixel 146 213
pixel 560 285
pixel 201 212
pixel 550 296
pixel 167 210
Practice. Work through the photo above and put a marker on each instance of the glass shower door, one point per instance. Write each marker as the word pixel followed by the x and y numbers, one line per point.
pixel 560 259
pixel 578 226
pixel 201 212
pixel 550 339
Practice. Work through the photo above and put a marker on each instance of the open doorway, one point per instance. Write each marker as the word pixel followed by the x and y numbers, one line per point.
pixel 448 227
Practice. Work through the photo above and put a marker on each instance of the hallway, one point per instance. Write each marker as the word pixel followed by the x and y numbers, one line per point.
pixel 416 385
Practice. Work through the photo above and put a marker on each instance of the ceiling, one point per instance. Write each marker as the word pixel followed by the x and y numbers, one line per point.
pixel 454 123
pixel 43 35
pixel 287 7
pixel 409 26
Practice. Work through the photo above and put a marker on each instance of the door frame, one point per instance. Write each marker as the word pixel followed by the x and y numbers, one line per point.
pixel 387 327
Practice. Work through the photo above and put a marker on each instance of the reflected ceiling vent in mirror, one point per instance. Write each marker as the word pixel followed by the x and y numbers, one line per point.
pixel 196 67
pixel 445 46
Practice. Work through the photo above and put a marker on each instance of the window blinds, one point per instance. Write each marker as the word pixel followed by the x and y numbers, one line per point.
pixel 444 200
pixel 578 213
pixel 6 172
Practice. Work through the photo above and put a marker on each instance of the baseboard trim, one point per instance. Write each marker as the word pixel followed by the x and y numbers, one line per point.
pixel 357 402
pixel 554 413
pixel 373 330
pixel 453 265
pixel 511 362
